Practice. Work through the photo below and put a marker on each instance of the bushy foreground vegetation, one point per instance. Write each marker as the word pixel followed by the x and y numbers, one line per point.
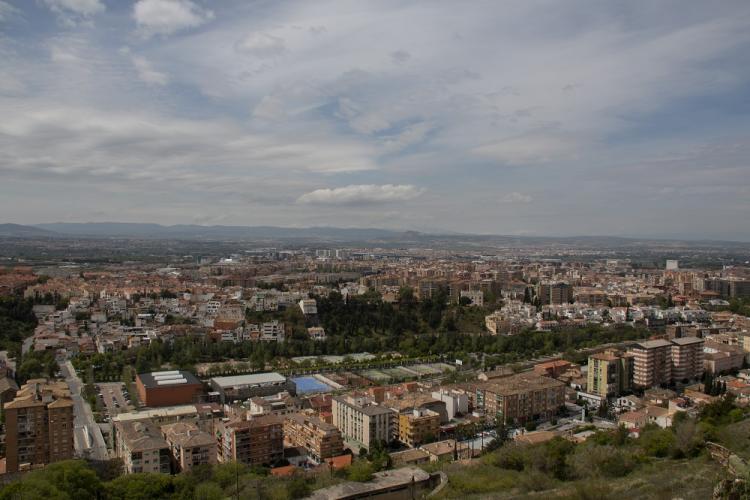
pixel 610 464
pixel 77 480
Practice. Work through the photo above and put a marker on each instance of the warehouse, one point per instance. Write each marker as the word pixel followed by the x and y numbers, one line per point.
pixel 168 388
pixel 241 387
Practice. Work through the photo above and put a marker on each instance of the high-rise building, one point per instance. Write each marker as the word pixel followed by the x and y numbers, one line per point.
pixel 39 425
pixel 610 373
pixel 672 265
pixel 363 421
pixel 652 363
pixel 555 292
pixel 687 358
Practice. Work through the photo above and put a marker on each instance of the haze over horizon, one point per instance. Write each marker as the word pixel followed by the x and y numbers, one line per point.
pixel 517 118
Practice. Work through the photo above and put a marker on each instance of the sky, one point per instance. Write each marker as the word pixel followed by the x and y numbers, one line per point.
pixel 582 117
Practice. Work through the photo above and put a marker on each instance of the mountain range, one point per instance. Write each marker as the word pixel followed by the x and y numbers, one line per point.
pixel 129 230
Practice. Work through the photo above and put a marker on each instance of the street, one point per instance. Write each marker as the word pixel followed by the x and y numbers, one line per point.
pixel 88 438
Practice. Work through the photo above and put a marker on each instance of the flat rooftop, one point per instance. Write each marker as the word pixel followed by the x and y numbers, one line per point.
pixel 381 481
pixel 687 340
pixel 153 380
pixel 249 380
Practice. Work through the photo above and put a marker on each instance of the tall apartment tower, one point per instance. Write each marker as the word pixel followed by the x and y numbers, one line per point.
pixel 652 364
pixel 39 425
pixel 610 373
pixel 555 292
pixel 687 358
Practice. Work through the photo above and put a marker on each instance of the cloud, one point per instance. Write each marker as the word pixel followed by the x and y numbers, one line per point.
pixel 534 148
pixel 7 11
pixel 361 194
pixel 261 45
pixel 147 73
pixel 516 197
pixel 71 12
pixel 165 17
pixel 400 56
pixel 410 135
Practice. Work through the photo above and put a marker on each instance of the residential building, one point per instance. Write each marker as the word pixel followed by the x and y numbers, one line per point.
pixel 320 439
pixel 257 441
pixel 189 445
pixel 39 425
pixel 610 373
pixel 555 293
pixel 141 447
pixel 308 307
pixel 520 398
pixel 362 421
pixel 418 426
pixel 476 297
pixel 652 364
pixel 316 333
pixel 720 358
pixel 687 358
pixel 456 402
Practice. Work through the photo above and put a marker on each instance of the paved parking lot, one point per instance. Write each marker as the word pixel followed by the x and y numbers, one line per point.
pixel 113 398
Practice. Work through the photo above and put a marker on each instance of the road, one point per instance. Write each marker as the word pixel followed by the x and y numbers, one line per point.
pixel 88 438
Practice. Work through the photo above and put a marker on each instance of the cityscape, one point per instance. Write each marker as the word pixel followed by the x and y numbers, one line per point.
pixel 389 250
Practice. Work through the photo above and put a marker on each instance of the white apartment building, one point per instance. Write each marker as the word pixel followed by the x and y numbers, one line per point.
pixel 362 421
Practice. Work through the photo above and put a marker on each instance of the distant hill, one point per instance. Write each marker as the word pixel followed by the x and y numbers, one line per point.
pixel 20 231
pixel 334 235
pixel 187 231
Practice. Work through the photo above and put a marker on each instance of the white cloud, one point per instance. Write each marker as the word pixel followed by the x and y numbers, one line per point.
pixel 261 45
pixel 516 197
pixel 63 55
pixel 534 148
pixel 147 73
pixel 361 194
pixel 70 12
pixel 7 11
pixel 165 17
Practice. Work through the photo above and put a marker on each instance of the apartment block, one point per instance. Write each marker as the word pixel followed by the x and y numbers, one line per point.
pixel 555 292
pixel 610 373
pixel 363 421
pixel 652 363
pixel 189 445
pixel 142 447
pixel 687 358
pixel 321 439
pixel 257 441
pixel 39 425
pixel 520 398
pixel 418 426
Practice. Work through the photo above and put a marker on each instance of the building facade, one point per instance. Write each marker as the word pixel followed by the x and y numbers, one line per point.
pixel 321 439
pixel 610 373
pixel 418 426
pixel 258 441
pixel 652 364
pixel 521 398
pixel 39 425
pixel 141 447
pixel 362 421
pixel 189 445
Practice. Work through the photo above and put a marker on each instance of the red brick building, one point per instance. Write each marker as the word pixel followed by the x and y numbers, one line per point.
pixel 168 388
